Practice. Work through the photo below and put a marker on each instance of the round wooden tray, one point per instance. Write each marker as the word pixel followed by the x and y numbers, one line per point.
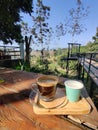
pixel 63 107
pixel 57 102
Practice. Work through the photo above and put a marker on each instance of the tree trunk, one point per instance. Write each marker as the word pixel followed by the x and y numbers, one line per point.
pixel 28 41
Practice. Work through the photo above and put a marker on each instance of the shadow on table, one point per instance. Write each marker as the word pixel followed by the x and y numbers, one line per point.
pixel 14 97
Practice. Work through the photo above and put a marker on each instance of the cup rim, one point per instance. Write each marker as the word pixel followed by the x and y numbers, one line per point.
pixel 76 82
pixel 47 77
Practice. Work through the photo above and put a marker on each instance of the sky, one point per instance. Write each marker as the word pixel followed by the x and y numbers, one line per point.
pixel 59 11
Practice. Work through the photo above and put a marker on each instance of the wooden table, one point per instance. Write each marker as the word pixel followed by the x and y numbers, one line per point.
pixel 16 112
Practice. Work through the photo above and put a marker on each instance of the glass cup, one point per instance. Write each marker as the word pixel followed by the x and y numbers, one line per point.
pixel 47 87
pixel 73 89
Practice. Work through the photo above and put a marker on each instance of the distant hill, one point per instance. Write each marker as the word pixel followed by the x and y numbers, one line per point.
pixel 90 47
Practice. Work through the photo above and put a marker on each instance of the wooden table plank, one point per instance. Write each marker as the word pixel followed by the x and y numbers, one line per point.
pixel 20 114
pixel 13 120
pixel 44 121
pixel 15 96
pixel 89 119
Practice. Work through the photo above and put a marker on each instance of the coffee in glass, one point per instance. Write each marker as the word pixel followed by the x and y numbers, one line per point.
pixel 47 87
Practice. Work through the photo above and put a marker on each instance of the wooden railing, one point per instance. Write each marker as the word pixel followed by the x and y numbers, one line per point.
pixel 88 62
pixel 9 52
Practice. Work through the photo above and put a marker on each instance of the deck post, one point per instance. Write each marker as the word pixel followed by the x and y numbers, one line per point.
pixel 91 89
pixel 22 51
pixel 91 55
pixel 83 67
pixel 79 70
pixel 79 67
pixel 79 48
pixel 67 63
pixel 67 67
pixel 90 62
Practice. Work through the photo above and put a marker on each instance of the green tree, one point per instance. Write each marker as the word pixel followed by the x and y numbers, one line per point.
pixel 40 29
pixel 27 36
pixel 10 28
pixel 39 33
pixel 73 23
pixel 95 38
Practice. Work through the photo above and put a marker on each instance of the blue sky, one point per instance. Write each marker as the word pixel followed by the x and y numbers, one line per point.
pixel 59 11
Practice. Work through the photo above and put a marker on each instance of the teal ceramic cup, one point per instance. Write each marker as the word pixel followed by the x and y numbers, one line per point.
pixel 73 89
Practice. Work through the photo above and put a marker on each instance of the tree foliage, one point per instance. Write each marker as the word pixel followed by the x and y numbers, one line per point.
pixel 73 23
pixel 41 31
pixel 95 38
pixel 40 28
pixel 10 28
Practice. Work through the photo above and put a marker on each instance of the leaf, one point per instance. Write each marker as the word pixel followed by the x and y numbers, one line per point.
pixel 1 80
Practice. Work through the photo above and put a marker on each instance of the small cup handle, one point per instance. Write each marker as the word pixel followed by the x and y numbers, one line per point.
pixel 34 87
